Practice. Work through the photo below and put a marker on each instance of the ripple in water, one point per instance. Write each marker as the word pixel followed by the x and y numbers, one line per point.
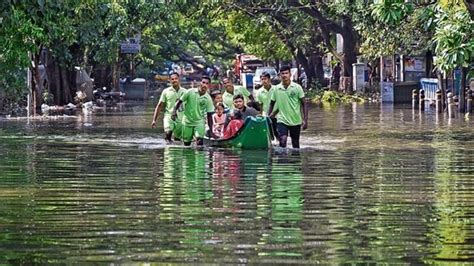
pixel 374 195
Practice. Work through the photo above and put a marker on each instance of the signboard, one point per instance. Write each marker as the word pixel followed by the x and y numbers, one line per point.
pixel 358 76
pixel 414 64
pixel 386 89
pixel 339 43
pixel 131 46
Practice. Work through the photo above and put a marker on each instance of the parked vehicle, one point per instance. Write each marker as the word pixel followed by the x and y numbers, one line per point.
pixel 256 79
pixel 244 68
pixel 162 76
pixel 188 69
pixel 107 97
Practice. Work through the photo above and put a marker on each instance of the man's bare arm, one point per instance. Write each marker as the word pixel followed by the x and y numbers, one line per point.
pixel 272 113
pixel 304 111
pixel 158 108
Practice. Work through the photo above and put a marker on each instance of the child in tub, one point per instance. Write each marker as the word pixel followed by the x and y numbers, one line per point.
pixel 218 119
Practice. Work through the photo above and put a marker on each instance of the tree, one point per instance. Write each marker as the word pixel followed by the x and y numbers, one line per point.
pixel 331 20
pixel 453 37
pixel 280 32
pixel 450 23
pixel 17 33
pixel 454 42
pixel 310 37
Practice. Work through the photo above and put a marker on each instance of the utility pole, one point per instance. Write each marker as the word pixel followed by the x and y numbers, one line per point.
pixel 29 85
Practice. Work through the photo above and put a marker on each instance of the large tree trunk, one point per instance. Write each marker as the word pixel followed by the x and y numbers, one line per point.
pixel 314 70
pixel 102 75
pixel 38 87
pixel 346 29
pixel 61 80
pixel 316 60
pixel 429 64
pixel 116 72
pixel 34 88
pixel 54 78
pixel 304 62
pixel 317 63
pixel 65 82
pixel 349 47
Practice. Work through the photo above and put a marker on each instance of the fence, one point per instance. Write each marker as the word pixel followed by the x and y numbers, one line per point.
pixel 429 86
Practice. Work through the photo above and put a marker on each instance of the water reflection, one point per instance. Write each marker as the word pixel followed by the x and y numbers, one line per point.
pixel 452 229
pixel 371 185
pixel 284 238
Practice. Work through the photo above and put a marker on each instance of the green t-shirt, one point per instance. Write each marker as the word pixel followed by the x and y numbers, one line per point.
pixel 289 103
pixel 196 107
pixel 169 96
pixel 264 98
pixel 228 98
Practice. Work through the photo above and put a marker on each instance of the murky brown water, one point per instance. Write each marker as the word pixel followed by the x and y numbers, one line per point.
pixel 371 184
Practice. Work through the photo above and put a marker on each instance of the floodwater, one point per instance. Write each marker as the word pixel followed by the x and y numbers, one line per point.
pixel 371 184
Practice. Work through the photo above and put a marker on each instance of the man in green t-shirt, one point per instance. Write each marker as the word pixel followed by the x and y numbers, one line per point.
pixel 230 90
pixel 292 113
pixel 197 103
pixel 264 93
pixel 168 99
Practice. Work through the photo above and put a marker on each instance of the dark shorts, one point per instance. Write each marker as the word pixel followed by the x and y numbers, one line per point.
pixel 293 130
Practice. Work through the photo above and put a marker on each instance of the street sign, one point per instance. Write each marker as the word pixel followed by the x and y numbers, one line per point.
pixel 131 46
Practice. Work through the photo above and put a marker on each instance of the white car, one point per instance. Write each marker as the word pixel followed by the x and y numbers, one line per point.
pixel 294 74
pixel 256 79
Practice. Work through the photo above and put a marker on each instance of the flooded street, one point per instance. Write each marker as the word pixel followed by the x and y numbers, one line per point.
pixel 370 184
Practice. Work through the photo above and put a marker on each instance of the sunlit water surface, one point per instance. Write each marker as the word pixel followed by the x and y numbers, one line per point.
pixel 371 184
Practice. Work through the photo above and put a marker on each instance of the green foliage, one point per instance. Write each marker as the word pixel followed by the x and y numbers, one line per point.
pixel 88 33
pixel 13 82
pixel 391 11
pixel 16 32
pixel 18 35
pixel 12 87
pixel 255 37
pixel 445 27
pixel 454 38
pixel 330 97
pixel 394 27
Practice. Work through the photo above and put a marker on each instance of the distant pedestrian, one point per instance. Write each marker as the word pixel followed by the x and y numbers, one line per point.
pixel 230 74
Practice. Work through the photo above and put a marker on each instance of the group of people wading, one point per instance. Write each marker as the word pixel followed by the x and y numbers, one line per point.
pixel 186 110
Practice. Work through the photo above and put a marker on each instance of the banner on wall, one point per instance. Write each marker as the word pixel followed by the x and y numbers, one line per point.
pixel 414 64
